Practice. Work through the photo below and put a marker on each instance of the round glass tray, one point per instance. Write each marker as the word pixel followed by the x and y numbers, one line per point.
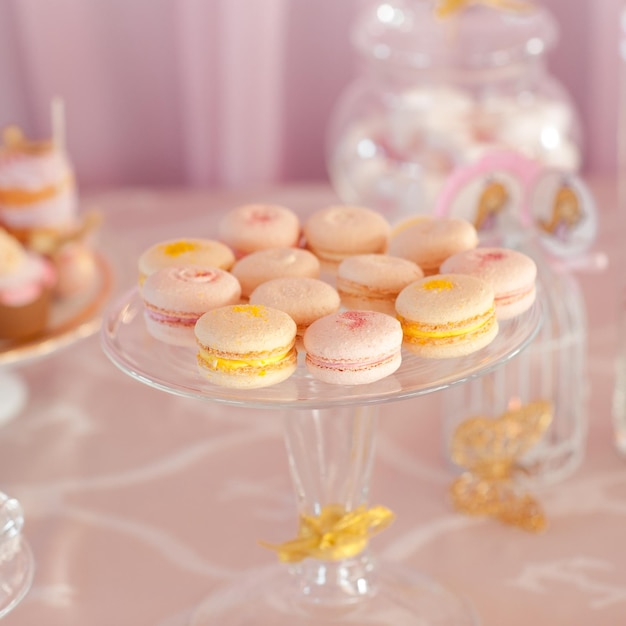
pixel 171 368
pixel 71 319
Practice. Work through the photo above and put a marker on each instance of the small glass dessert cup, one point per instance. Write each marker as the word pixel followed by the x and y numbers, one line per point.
pixel 16 559
pixel 329 575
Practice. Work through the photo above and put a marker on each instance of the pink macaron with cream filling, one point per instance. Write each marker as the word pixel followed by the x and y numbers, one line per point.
pixel 511 274
pixel 353 347
pixel 175 297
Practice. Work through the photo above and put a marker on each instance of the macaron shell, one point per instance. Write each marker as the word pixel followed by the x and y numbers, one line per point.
pixel 250 379
pixel 263 265
pixel 200 252
pixel 303 299
pixel 447 315
pixel 336 232
pixel 511 273
pixel 373 281
pixel 245 329
pixel 253 227
pixel 176 334
pixel 189 289
pixel 353 347
pixel 429 242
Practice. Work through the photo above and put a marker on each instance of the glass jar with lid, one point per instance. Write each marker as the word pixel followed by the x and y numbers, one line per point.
pixel 435 93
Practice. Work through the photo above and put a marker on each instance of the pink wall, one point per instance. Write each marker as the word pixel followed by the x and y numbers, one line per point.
pixel 231 92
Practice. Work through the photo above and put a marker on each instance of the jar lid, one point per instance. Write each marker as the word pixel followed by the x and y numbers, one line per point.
pixel 408 32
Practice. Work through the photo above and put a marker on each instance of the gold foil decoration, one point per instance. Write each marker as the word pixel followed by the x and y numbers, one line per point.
pixel 334 534
pixel 446 8
pixel 490 449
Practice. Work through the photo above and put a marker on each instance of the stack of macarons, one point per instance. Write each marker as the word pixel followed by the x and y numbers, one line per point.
pixel 251 298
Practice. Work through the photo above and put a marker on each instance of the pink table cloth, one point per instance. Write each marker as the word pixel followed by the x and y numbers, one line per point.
pixel 139 503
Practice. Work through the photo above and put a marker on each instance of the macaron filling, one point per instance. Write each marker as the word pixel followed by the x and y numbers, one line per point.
pixel 420 333
pixel 514 296
pixel 163 317
pixel 212 361
pixel 351 365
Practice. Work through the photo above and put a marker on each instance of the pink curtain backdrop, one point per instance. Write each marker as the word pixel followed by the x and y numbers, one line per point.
pixel 232 92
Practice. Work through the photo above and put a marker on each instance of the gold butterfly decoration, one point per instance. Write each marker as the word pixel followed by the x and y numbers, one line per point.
pixel 334 534
pixel 445 8
pixel 490 450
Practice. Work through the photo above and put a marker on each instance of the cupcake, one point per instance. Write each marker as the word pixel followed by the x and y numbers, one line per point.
pixel 26 283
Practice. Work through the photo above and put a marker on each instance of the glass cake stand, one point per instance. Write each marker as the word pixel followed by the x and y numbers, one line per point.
pixel 330 439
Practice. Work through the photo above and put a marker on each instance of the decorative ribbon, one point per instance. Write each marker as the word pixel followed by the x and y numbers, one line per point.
pixel 334 534
pixel 489 449
pixel 445 8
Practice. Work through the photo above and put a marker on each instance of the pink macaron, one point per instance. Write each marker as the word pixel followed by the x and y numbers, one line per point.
pixel 175 297
pixel 263 265
pixel 303 299
pixel 184 251
pixel 253 227
pixel 373 281
pixel 340 231
pixel 353 347
pixel 511 273
pixel 429 241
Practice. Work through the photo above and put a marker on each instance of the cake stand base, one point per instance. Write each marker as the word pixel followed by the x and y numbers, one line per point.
pixel 16 576
pixel 13 396
pixel 397 597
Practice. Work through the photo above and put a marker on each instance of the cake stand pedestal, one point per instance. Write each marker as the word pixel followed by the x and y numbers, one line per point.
pixel 330 434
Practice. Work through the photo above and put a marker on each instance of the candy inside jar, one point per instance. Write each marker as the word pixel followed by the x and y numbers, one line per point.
pixel 435 93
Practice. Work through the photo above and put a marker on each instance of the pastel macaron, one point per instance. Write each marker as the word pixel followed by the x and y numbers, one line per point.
pixel 373 281
pixel 246 346
pixel 511 273
pixel 303 299
pixel 353 347
pixel 175 297
pixel 429 241
pixel 253 227
pixel 199 252
pixel 336 232
pixel 447 315
pixel 263 265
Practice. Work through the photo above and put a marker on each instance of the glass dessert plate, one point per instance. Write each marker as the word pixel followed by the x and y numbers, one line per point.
pixel 330 440
pixel 71 319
